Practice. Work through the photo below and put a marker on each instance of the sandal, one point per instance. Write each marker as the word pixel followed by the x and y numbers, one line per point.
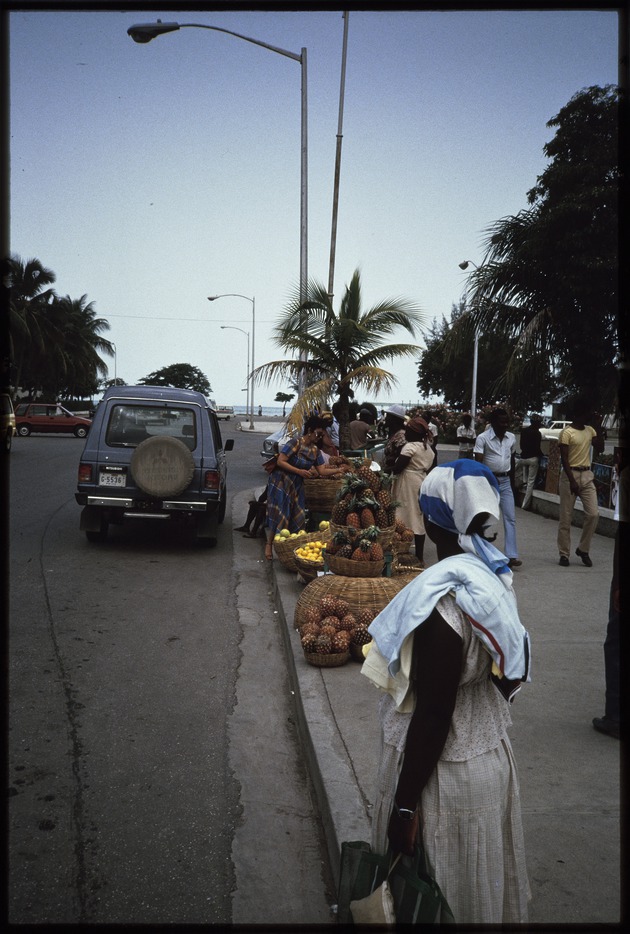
pixel 269 551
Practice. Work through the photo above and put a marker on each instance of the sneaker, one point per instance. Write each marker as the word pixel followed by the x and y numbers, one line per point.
pixel 514 563
pixel 564 561
pixel 585 557
pixel 607 726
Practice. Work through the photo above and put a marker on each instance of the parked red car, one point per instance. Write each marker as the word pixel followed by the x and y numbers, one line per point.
pixel 49 417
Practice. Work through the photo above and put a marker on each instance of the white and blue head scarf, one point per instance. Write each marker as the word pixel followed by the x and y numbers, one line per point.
pixel 453 494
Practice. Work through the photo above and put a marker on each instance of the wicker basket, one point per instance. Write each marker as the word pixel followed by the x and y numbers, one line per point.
pixel 334 660
pixel 400 548
pixel 361 593
pixel 351 568
pixel 307 569
pixel 385 536
pixel 285 551
pixel 321 495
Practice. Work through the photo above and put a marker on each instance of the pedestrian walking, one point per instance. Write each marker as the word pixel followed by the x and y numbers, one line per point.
pixel 577 479
pixel 531 452
pixel 447 772
pixel 434 427
pixel 360 429
pixel 466 437
pixel 410 469
pixel 496 448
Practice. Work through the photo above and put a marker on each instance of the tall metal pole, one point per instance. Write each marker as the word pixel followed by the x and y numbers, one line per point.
pixel 333 233
pixel 473 400
pixel 213 298
pixel 303 212
pixel 248 404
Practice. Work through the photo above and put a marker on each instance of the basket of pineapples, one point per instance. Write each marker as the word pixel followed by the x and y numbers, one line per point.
pixel 355 554
pixel 331 633
pixel 364 501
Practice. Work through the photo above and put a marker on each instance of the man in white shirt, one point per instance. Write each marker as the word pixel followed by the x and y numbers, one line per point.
pixel 496 448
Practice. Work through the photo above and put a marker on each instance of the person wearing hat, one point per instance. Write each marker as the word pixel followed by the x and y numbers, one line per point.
pixel 410 469
pixel 394 419
pixel 449 652
pixel 531 452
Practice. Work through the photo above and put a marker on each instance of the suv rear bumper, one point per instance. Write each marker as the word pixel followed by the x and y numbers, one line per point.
pixel 146 507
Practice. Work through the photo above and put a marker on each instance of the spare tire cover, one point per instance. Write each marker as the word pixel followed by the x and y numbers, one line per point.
pixel 162 466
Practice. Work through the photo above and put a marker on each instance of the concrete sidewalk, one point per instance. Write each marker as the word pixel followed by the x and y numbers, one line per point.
pixel 569 774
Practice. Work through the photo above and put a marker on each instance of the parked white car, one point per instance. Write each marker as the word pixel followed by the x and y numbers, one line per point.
pixel 554 430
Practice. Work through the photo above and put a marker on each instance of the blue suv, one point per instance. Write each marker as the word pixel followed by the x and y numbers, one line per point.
pixel 153 453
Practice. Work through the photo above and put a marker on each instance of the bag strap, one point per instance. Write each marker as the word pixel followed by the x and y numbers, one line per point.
pixel 393 864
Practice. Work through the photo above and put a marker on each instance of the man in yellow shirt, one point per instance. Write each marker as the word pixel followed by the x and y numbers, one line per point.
pixel 577 479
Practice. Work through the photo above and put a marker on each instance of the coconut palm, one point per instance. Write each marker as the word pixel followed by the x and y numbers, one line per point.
pixel 29 305
pixel 338 352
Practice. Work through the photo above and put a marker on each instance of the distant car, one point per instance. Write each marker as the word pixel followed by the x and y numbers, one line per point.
pixel 225 411
pixel 553 430
pixel 49 417
pixel 7 420
pixel 153 453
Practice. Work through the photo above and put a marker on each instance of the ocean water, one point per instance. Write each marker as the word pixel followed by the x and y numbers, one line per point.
pixel 267 410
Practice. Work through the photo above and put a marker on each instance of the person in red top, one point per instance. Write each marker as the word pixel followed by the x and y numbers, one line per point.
pixel 577 479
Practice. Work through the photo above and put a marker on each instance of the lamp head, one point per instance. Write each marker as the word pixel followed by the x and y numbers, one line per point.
pixel 464 265
pixel 144 32
pixel 212 298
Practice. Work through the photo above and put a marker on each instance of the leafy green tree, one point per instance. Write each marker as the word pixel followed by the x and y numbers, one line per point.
pixel 179 376
pixel 284 397
pixel 446 367
pixel 549 275
pixel 343 349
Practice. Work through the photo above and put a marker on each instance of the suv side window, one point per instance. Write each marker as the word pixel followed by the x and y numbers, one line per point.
pixel 216 431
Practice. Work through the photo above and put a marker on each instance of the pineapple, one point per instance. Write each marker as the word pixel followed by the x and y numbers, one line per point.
pixel 365 474
pixel 360 635
pixel 353 519
pixel 330 625
pixel 309 643
pixel 311 616
pixel 342 608
pixel 381 517
pixel 345 551
pixel 341 642
pixel 309 629
pixel 327 606
pixel 364 617
pixel 323 645
pixel 362 551
pixel 367 506
pixel 338 539
pixel 348 622
pixel 375 548
pixel 339 511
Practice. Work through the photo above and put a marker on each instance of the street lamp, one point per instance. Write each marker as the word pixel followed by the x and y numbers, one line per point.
pixel 473 400
pixel 230 327
pixel 250 386
pixel 115 363
pixel 144 32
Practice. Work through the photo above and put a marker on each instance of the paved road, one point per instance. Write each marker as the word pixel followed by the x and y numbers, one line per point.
pixel 146 739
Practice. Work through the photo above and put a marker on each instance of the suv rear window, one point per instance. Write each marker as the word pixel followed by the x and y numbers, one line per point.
pixel 130 424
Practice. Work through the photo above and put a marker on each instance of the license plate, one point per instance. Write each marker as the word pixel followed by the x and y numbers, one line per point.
pixel 112 479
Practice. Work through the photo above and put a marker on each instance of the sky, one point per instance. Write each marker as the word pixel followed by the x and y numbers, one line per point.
pixel 148 177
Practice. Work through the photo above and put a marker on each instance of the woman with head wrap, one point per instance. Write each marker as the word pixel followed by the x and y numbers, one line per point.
pixel 410 468
pixel 448 652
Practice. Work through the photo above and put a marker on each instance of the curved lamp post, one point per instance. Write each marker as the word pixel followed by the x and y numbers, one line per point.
pixel 248 409
pixel 144 32
pixel 473 400
pixel 250 386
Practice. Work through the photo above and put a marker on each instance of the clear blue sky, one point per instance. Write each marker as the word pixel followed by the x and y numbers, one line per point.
pixel 151 176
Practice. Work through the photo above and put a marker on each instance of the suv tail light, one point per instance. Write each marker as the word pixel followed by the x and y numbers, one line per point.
pixel 85 473
pixel 211 480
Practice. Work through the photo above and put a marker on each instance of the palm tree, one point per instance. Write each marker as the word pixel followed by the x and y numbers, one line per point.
pixel 342 350
pixel 29 304
pixel 80 366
